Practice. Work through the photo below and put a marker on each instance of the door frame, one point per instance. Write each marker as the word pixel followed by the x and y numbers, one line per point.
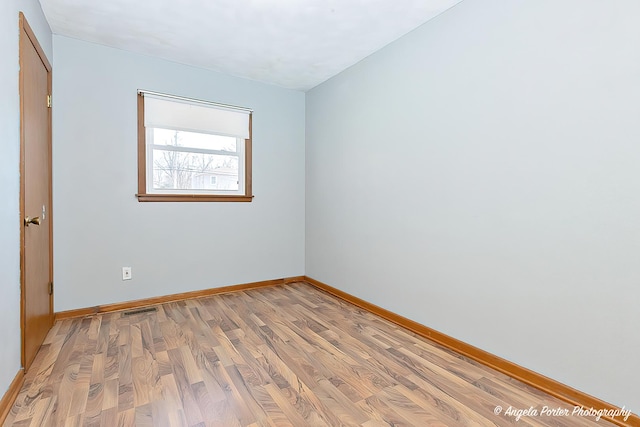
pixel 27 32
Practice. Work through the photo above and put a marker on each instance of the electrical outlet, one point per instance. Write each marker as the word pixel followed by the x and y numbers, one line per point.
pixel 126 273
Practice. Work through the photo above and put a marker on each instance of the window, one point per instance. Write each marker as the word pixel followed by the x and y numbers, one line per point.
pixel 191 150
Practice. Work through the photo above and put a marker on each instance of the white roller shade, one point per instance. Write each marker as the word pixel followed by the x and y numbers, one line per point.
pixel 180 114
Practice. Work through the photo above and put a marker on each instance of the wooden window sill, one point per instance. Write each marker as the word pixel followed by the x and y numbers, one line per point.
pixel 192 198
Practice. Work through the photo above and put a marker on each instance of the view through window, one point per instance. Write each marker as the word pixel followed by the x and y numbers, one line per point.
pixel 195 161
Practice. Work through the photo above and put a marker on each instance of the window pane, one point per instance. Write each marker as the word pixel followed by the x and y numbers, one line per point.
pixel 193 140
pixel 176 170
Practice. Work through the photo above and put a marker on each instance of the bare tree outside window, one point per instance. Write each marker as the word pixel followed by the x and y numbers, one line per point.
pixel 171 168
pixel 176 167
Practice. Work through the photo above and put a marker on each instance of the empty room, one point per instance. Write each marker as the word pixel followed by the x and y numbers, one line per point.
pixel 320 213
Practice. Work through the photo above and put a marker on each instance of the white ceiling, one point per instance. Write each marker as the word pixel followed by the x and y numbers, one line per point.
pixel 295 44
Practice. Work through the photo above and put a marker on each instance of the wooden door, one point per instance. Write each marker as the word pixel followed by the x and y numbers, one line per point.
pixel 35 197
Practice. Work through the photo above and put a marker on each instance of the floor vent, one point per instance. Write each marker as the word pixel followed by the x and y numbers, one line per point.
pixel 142 310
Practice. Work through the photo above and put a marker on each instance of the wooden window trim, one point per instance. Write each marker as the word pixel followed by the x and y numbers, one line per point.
pixel 142 194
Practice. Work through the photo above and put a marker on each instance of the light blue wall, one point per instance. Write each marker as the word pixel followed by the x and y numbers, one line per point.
pixel 10 175
pixel 513 220
pixel 172 247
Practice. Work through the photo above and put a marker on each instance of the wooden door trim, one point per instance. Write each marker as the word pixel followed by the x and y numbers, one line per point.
pixel 24 25
pixel 26 31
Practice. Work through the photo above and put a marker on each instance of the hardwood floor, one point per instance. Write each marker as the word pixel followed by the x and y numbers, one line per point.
pixel 278 356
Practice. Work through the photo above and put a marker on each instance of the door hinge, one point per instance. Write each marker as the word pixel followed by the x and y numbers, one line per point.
pixel 50 288
pixel 48 101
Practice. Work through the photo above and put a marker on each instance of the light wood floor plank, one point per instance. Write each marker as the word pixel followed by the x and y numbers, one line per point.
pixel 269 357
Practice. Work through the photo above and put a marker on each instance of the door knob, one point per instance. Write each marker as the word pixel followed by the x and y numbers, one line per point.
pixel 35 221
